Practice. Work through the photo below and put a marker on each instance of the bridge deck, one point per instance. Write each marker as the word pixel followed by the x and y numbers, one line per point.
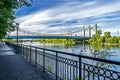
pixel 14 67
pixel 38 37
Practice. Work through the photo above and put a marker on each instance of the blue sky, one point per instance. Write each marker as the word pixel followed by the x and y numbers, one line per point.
pixel 69 15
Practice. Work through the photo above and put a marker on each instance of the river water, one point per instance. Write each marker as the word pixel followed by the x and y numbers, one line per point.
pixel 105 52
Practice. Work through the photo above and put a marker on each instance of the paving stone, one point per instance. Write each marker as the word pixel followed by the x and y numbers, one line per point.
pixel 13 67
pixel 35 76
pixel 11 78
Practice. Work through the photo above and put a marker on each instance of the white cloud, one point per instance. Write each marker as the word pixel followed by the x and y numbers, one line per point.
pixel 107 19
pixel 66 12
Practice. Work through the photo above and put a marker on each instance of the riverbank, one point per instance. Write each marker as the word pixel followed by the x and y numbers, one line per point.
pixel 111 44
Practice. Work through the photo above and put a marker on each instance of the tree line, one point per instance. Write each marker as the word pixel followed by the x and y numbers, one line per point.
pixel 7 14
pixel 57 41
pixel 106 39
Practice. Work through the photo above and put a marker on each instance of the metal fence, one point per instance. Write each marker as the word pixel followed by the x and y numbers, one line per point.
pixel 68 66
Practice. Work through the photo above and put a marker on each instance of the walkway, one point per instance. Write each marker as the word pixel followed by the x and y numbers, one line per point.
pixel 13 67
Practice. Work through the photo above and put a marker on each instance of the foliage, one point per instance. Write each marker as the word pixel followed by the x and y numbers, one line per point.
pixel 106 39
pixel 7 10
pixel 56 41
pixel 107 34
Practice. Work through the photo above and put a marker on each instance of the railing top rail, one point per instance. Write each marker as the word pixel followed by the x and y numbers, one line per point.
pixel 80 56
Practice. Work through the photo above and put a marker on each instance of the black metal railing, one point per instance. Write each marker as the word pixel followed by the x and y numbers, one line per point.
pixel 68 66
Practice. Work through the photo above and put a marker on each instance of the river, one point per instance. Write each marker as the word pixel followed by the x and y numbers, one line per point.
pixel 105 52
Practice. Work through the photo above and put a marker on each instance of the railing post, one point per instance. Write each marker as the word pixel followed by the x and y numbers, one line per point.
pixel 23 51
pixel 19 48
pixel 30 53
pixel 43 60
pixel 26 53
pixel 80 68
pixel 36 56
pixel 57 68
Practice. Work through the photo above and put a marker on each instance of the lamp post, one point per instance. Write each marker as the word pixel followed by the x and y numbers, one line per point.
pixel 17 27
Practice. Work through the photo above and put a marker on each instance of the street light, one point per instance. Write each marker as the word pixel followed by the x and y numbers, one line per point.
pixel 17 27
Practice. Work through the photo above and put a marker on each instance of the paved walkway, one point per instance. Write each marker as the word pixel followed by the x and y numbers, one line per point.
pixel 12 67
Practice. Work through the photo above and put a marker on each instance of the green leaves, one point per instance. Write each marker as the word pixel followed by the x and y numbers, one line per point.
pixel 7 10
pixel 107 39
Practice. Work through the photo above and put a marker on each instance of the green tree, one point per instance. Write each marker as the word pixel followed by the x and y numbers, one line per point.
pixel 96 38
pixel 118 39
pixel 106 39
pixel 98 32
pixel 7 10
pixel 107 34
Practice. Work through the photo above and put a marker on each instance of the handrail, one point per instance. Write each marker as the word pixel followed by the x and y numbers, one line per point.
pixel 68 68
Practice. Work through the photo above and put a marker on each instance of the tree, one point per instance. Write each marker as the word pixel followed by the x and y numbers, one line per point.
pixel 98 32
pixel 96 38
pixel 118 39
pixel 107 34
pixel 7 10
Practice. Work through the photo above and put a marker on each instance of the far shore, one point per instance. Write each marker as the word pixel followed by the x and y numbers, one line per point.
pixel 110 43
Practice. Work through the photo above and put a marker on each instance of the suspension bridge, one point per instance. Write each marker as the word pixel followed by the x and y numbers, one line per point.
pixel 84 33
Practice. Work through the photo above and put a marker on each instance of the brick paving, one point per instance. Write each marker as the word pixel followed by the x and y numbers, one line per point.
pixel 13 67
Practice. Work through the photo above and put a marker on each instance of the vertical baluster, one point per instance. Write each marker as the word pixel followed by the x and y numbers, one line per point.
pixel 83 71
pixel 73 70
pixel 70 69
pixel 60 67
pixel 43 60
pixel 30 53
pixel 88 73
pixel 23 51
pixel 80 68
pixel 98 77
pixel 65 69
pixel 104 78
pixel 93 74
pixel 57 68
pixel 76 70
pixel 36 56
pixel 26 52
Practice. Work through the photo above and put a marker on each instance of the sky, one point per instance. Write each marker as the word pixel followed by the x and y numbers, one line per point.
pixel 60 16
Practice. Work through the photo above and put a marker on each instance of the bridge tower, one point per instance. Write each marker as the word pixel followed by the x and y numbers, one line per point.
pixel 84 34
pixel 84 31
pixel 89 30
pixel 95 26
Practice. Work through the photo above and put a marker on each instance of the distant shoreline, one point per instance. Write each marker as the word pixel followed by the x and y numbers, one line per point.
pixel 111 44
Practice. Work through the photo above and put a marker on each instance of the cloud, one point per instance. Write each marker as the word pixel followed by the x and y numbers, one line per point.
pixel 59 18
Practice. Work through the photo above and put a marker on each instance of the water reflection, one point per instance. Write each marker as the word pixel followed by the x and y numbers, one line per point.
pixel 103 55
pixel 85 49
